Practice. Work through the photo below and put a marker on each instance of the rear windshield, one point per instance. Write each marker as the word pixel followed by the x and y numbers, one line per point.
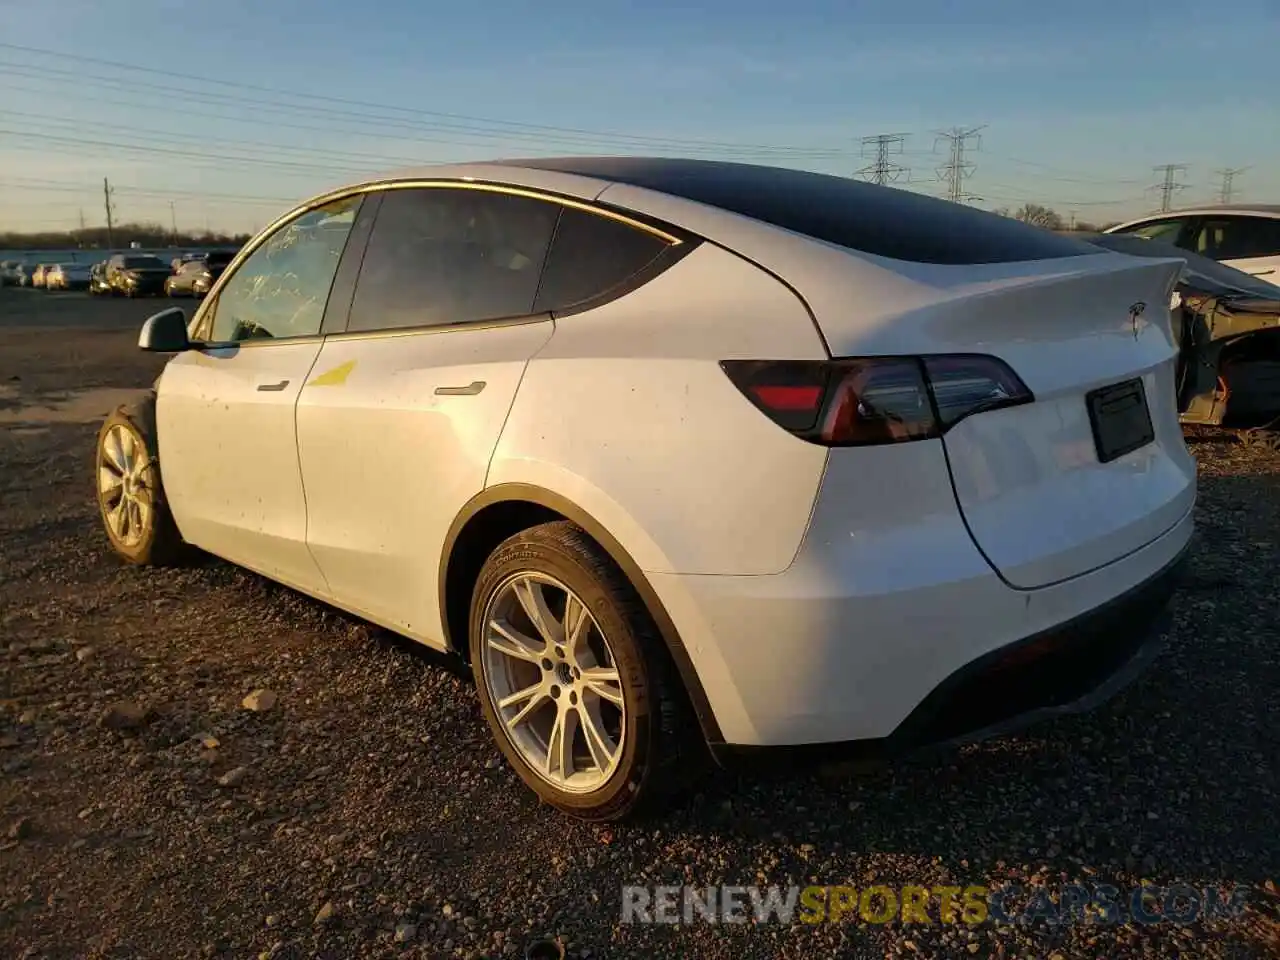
pixel 136 263
pixel 218 258
pixel 851 213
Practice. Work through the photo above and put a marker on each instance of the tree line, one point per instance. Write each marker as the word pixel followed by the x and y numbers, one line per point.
pixel 150 235
pixel 1042 216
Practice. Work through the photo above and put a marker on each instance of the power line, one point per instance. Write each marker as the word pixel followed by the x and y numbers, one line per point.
pixel 956 170
pixel 477 125
pixel 1170 184
pixel 881 171
pixel 1228 180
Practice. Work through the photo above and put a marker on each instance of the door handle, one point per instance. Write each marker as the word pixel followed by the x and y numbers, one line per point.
pixel 470 390
pixel 273 387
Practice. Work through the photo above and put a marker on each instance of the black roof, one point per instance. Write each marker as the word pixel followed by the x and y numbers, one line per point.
pixel 885 221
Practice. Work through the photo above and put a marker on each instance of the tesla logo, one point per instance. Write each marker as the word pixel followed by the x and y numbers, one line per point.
pixel 1135 312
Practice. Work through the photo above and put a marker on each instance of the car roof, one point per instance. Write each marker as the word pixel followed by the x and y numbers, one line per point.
pixel 1267 210
pixel 711 198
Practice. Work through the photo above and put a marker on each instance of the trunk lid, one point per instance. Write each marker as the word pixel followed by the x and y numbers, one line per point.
pixel 1043 496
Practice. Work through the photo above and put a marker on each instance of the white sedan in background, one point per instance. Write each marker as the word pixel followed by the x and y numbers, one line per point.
pixel 1246 237
pixel 680 453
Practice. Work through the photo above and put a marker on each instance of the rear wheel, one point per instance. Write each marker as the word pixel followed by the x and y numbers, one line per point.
pixel 131 496
pixel 573 678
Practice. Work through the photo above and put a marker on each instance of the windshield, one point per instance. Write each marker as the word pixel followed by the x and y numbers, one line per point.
pixel 218 258
pixel 144 263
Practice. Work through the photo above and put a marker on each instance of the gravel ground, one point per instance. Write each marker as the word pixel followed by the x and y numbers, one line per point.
pixel 366 813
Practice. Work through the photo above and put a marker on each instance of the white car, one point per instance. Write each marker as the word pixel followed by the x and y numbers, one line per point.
pixel 1244 237
pixel 67 276
pixel 680 451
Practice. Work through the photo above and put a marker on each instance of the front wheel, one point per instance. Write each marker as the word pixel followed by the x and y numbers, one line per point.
pixel 573 678
pixel 131 496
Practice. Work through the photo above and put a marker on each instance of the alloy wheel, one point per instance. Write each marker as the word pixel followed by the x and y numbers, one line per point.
pixel 553 682
pixel 125 485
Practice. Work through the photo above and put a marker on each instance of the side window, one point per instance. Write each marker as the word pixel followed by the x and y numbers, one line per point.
pixel 282 289
pixel 1166 231
pixel 591 255
pixel 1233 238
pixel 443 255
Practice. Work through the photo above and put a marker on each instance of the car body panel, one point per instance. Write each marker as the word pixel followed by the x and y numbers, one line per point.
pixel 874 613
pixel 228 442
pixel 395 434
pixel 646 370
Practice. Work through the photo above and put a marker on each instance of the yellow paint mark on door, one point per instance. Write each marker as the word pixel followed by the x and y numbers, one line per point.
pixel 335 377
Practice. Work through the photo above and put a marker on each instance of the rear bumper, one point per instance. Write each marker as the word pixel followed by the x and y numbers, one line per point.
pixel 1071 668
pixel 891 629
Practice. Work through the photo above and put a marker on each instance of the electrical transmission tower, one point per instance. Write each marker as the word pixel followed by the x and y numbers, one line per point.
pixel 956 170
pixel 106 199
pixel 882 170
pixel 1228 183
pixel 1169 185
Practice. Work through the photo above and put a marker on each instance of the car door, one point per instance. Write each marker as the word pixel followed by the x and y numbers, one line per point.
pixel 225 411
pixel 400 417
pixel 1248 243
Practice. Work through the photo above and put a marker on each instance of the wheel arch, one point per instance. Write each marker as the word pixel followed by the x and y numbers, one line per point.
pixel 505 509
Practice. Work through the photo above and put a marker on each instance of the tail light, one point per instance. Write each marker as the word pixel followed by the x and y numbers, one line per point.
pixel 843 403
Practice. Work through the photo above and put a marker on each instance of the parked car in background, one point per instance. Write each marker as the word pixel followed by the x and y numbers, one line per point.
pixel 195 277
pixel 1243 236
pixel 137 274
pixel 39 274
pixel 98 283
pixel 672 448
pixel 67 276
pixel 1227 324
pixel 9 275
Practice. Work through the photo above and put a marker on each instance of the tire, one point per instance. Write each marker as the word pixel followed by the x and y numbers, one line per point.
pixel 653 748
pixel 154 540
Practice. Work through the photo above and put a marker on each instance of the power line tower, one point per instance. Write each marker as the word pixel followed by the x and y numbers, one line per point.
pixel 106 199
pixel 1228 182
pixel 173 221
pixel 956 170
pixel 1170 184
pixel 881 170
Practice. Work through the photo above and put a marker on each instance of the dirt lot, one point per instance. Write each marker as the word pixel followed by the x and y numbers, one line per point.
pixel 371 795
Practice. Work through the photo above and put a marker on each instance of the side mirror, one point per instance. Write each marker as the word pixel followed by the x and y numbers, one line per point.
pixel 165 332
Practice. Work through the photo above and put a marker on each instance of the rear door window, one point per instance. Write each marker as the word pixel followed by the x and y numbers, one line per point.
pixel 592 258
pixel 447 255
pixel 1238 238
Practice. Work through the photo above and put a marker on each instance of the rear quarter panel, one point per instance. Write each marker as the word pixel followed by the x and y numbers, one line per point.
pixel 627 414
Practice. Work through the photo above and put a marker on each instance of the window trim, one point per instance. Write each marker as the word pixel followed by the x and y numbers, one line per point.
pixel 202 321
pixel 674 237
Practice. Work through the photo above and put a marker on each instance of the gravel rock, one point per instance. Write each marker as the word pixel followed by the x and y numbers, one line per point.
pixel 234 777
pixel 325 915
pixel 259 701
pixel 124 716
pixel 85 654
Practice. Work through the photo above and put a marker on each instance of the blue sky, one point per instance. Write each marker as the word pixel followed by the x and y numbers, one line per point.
pixel 1077 102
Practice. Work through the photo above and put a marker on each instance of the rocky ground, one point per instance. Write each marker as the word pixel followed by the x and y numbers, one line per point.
pixel 354 806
